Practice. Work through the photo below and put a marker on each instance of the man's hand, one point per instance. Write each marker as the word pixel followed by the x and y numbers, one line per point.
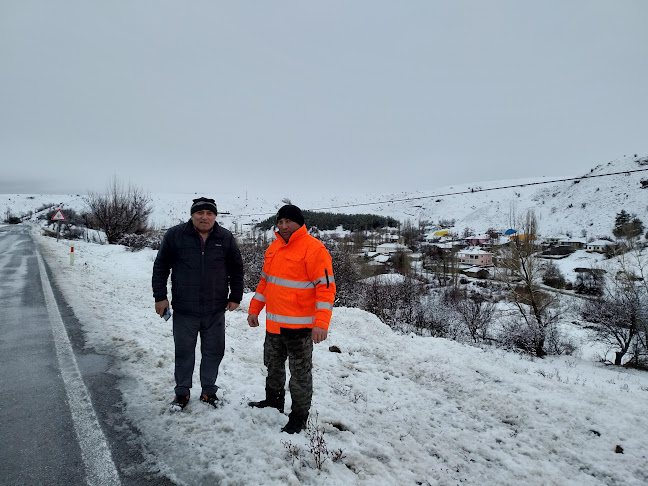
pixel 160 306
pixel 253 320
pixel 319 334
pixel 231 306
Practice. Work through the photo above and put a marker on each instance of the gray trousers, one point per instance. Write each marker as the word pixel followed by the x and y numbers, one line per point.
pixel 296 346
pixel 186 328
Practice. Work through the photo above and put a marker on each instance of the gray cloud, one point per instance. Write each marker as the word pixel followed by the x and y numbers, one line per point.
pixel 335 96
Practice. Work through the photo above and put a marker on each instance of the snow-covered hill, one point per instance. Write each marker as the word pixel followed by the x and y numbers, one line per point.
pixel 587 206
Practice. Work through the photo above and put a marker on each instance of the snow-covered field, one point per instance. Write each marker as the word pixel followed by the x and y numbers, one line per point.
pixel 404 410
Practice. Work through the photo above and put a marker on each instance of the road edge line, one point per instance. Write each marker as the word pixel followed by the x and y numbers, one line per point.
pixel 99 465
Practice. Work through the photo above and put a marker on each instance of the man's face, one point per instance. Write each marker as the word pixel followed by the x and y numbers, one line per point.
pixel 287 227
pixel 203 220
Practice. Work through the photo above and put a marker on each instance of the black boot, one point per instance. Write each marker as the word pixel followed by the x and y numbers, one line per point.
pixel 210 399
pixel 295 424
pixel 276 402
pixel 179 403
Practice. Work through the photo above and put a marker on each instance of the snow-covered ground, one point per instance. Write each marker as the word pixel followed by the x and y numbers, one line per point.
pixel 403 409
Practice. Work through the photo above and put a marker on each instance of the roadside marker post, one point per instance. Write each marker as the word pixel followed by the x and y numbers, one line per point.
pixel 71 255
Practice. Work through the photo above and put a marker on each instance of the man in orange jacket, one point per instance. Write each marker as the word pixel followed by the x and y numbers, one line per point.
pixel 297 288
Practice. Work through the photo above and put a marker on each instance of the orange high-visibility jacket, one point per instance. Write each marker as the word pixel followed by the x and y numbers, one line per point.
pixel 297 285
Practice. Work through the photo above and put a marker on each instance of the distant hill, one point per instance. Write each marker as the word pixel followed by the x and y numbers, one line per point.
pixel 580 207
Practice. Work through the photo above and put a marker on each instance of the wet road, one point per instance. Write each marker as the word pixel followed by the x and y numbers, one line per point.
pixel 61 418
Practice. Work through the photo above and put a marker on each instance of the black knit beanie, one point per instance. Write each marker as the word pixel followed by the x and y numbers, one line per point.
pixel 291 212
pixel 204 203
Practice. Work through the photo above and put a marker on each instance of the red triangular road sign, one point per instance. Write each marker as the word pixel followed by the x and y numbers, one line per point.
pixel 58 216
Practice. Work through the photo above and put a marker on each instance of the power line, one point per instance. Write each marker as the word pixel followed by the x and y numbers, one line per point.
pixel 471 191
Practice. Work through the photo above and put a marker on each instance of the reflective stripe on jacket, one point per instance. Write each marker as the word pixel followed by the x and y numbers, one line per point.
pixel 297 286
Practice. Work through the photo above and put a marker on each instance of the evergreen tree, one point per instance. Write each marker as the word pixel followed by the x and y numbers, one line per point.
pixel 627 226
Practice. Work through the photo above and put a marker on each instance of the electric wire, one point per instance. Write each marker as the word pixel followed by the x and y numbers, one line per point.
pixel 457 193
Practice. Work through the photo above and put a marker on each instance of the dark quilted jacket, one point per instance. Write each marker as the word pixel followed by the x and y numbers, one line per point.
pixel 200 283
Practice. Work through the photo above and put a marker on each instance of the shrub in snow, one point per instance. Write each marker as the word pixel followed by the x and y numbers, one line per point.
pixel 252 253
pixel 135 242
pixel 317 447
pixel 553 277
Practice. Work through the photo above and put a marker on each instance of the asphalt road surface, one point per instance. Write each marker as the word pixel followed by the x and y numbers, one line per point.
pixel 61 413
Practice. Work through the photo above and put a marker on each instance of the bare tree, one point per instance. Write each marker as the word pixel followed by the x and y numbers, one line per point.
pixel 443 264
pixel 252 252
pixel 120 210
pixel 468 232
pixel 346 269
pixel 412 236
pixel 614 326
pixel 402 263
pixel 621 312
pixel 477 314
pixel 518 269
pixel 432 316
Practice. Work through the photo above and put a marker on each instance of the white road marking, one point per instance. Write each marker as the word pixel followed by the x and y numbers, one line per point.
pixel 99 465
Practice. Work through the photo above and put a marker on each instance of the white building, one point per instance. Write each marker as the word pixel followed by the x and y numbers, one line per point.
pixel 598 245
pixel 389 248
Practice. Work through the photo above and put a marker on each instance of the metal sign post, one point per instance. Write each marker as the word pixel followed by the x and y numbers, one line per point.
pixel 58 216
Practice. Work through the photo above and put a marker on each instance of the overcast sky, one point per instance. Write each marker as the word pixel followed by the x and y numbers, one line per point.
pixel 335 96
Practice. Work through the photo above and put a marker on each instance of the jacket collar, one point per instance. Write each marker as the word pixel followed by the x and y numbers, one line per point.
pixel 297 235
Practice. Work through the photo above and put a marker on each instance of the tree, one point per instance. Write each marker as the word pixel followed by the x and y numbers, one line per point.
pixel 553 277
pixel 589 281
pixel 468 232
pixel 492 233
pixel 442 263
pixel 347 274
pixel 621 312
pixel 476 313
pixel 627 226
pixel 396 303
pixel 252 253
pixel 612 323
pixel 621 219
pixel 120 210
pixel 412 236
pixel 402 262
pixel 517 268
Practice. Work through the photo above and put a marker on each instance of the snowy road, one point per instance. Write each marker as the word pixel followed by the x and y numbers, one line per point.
pixel 51 433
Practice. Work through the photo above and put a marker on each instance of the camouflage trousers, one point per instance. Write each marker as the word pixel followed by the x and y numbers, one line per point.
pixel 296 345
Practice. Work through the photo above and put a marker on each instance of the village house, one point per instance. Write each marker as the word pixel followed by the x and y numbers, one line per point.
pixel 523 237
pixel 477 240
pixel 553 240
pixel 577 243
pixel 393 238
pixel 390 248
pixel 475 257
pixel 598 246
pixel 379 259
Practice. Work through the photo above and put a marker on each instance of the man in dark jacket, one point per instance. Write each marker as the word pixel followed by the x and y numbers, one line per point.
pixel 206 279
